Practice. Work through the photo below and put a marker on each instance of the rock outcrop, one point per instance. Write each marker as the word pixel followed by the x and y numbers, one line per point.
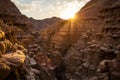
pixel 10 58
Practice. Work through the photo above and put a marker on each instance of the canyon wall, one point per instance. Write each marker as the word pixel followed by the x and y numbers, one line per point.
pixel 95 55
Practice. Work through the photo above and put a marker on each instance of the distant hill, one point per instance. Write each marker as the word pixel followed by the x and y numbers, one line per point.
pixel 42 24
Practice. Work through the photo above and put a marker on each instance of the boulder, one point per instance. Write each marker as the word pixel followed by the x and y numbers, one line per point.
pixel 32 62
pixel 104 66
pixel 35 71
pixel 14 59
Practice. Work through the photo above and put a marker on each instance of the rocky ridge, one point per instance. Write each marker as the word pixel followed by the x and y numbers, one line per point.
pixel 42 24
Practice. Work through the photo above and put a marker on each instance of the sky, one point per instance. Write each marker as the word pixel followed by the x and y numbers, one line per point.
pixel 40 9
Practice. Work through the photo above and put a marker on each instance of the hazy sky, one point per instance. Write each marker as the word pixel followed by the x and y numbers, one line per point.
pixel 40 9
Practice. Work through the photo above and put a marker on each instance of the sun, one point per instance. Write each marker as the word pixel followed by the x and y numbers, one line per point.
pixel 68 13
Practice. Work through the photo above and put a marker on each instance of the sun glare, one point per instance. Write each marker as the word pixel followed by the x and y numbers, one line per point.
pixel 68 13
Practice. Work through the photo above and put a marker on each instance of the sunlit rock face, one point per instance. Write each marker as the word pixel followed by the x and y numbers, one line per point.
pixel 11 57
